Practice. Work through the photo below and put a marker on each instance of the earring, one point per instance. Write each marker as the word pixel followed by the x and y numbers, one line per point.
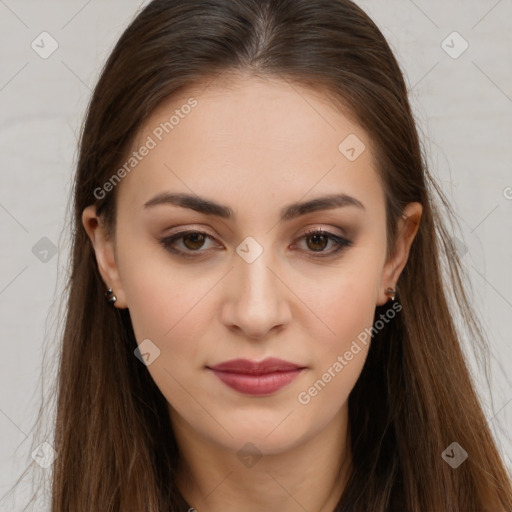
pixel 391 292
pixel 111 298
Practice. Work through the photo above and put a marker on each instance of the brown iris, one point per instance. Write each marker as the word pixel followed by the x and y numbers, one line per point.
pixel 196 239
pixel 319 241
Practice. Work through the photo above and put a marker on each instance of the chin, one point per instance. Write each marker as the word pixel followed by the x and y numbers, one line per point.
pixel 269 435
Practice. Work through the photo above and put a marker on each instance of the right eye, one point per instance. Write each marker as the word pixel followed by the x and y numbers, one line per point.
pixel 191 242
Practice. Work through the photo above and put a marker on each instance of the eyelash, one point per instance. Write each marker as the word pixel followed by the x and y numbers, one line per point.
pixel 340 242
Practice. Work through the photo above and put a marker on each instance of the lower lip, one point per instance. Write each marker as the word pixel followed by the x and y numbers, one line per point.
pixel 257 384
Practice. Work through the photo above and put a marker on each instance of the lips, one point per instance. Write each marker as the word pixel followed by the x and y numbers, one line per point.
pixel 256 377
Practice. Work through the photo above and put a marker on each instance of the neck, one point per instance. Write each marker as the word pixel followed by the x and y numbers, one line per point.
pixel 308 476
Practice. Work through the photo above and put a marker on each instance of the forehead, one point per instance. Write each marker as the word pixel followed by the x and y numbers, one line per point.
pixel 276 112
pixel 252 137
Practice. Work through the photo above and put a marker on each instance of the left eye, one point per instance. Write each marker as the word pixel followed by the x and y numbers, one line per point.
pixel 319 239
pixel 193 241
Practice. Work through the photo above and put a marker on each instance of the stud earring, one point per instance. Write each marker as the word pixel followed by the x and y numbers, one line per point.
pixel 109 295
pixel 391 292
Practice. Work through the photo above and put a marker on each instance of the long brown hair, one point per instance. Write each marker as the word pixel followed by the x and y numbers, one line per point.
pixel 114 442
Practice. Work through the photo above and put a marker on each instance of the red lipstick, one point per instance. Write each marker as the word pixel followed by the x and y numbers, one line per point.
pixel 256 377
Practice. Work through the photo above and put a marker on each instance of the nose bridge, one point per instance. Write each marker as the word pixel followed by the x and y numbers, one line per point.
pixel 256 280
pixel 259 301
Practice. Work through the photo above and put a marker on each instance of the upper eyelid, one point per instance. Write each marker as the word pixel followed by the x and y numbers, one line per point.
pixel 313 228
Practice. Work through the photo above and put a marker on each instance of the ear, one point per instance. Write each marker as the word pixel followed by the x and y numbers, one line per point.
pixel 104 248
pixel 406 231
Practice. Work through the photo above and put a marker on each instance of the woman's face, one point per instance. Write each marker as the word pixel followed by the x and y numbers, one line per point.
pixel 230 272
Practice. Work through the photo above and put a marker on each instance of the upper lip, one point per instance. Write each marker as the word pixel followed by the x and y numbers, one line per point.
pixel 269 365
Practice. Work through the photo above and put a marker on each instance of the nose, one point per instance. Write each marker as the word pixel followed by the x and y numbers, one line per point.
pixel 258 299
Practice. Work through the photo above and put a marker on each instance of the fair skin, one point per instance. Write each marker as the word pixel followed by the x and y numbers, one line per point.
pixel 255 146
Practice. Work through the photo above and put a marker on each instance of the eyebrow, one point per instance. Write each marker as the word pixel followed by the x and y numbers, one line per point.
pixel 291 211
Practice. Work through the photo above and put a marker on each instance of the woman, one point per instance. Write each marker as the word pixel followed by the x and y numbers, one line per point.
pixel 257 318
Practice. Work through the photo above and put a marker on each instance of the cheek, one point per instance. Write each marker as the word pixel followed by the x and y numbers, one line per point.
pixel 166 304
pixel 168 311
pixel 339 353
pixel 344 305
pixel 172 312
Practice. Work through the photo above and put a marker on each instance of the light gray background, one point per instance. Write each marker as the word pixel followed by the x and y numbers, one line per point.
pixel 463 106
